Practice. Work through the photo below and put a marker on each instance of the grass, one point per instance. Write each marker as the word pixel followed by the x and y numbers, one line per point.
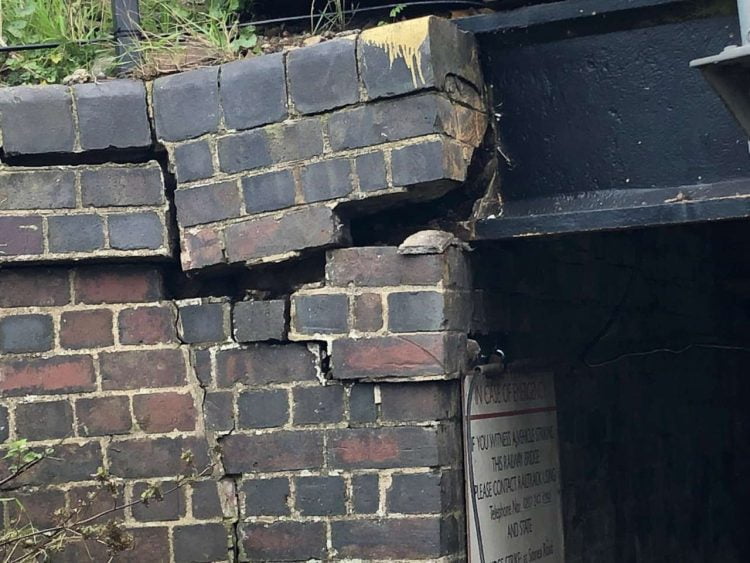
pixel 176 34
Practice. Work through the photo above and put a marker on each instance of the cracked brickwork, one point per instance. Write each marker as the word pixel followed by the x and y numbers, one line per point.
pixel 323 419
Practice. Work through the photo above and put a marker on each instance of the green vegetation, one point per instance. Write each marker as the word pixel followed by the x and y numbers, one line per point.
pixel 176 34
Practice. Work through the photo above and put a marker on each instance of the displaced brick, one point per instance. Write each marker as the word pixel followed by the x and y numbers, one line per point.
pixel 409 355
pixel 147 325
pixel 125 185
pixel 142 369
pixel 75 233
pixel 192 161
pixel 44 420
pixel 277 451
pixel 201 543
pixel 186 105
pixel 26 333
pixel 253 91
pixel 428 162
pixel 170 507
pixel 202 248
pixel 430 400
pixel 256 321
pixel 261 364
pixel 378 266
pixel 37 189
pixel 267 237
pixel 155 457
pixel 266 497
pixel 21 236
pixel 325 180
pixel 381 448
pixel 206 500
pixel 86 329
pixel 324 76
pixel 263 409
pixel 206 204
pixel 368 312
pixel 136 231
pixel 218 411
pixel 301 139
pixel 58 374
pixel 391 120
pixel 371 171
pixel 366 492
pixel 284 541
pixel 443 51
pixel 321 496
pixel 320 313
pixel 34 287
pixel 318 405
pixel 117 284
pixel 204 322
pixel 101 416
pixel 414 538
pixel 269 192
pixel 36 119
pixel 244 151
pixel 112 114
pixel 164 412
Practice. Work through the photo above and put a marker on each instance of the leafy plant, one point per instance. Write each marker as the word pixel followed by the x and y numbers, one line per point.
pixel 22 542
pixel 176 34
pixel 393 14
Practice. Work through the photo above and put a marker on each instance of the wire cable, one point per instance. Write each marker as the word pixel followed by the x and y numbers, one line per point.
pixel 255 23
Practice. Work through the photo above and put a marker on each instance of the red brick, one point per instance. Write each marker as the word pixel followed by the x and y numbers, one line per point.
pixel 60 374
pixel 378 266
pixel 21 235
pixel 374 448
pixel 164 412
pixel 202 248
pixel 284 541
pixel 101 416
pixel 410 355
pixel 67 463
pixel 149 544
pixel 36 507
pixel 117 284
pixel 34 287
pixel 156 457
pixel 255 239
pixel 277 451
pixel 86 329
pixel 368 312
pixel 143 368
pixel 260 364
pixel 147 325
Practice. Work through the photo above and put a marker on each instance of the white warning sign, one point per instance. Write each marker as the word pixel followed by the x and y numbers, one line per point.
pixel 513 507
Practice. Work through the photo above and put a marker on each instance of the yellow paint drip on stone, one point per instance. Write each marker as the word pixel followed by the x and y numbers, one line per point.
pixel 402 40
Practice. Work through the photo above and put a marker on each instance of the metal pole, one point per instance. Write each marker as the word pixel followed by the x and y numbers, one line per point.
pixel 743 10
pixel 127 25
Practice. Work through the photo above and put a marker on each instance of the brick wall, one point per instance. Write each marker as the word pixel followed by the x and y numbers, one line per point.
pixel 322 419
pixel 653 446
